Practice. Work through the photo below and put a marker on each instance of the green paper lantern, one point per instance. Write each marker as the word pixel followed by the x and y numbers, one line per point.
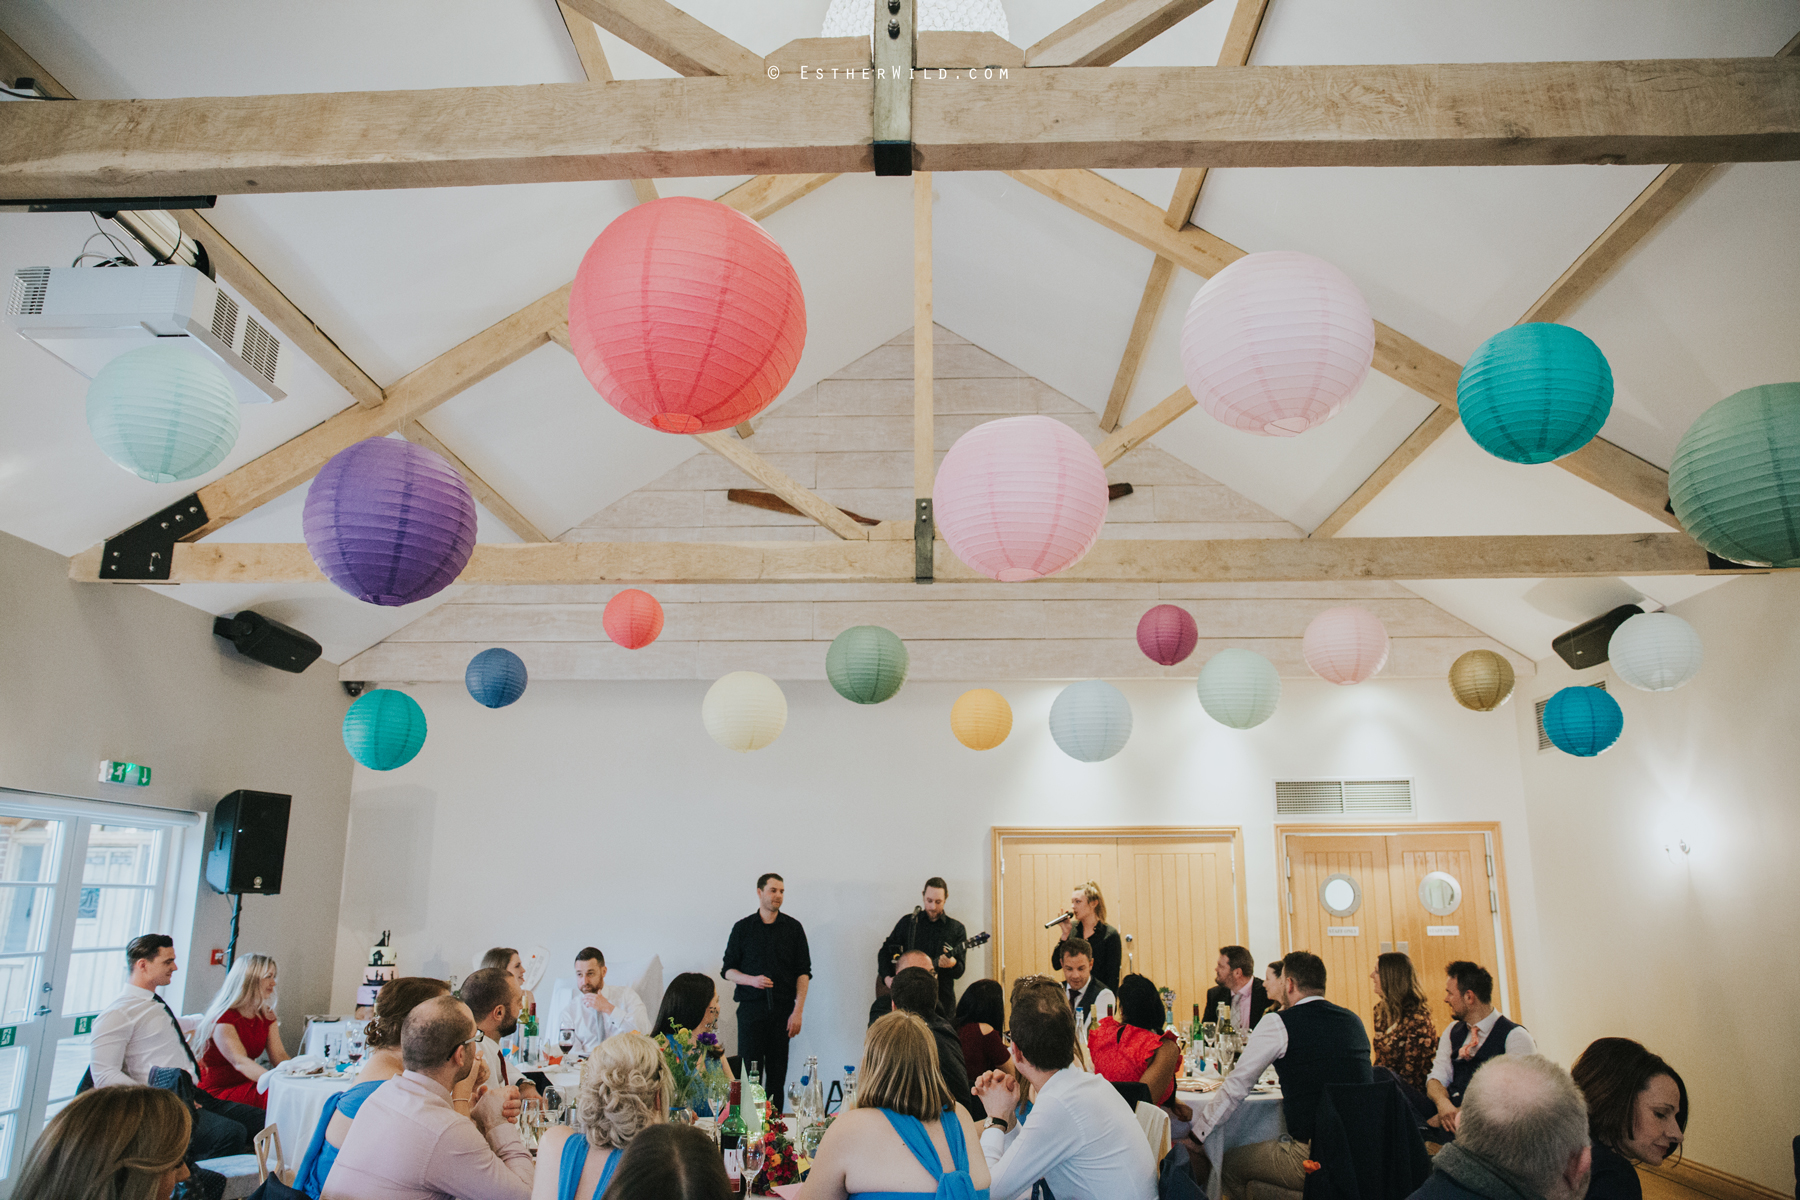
pixel 384 729
pixel 163 413
pixel 1536 392
pixel 1239 688
pixel 866 664
pixel 1735 484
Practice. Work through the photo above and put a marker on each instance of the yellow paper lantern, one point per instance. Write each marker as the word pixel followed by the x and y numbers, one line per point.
pixel 744 711
pixel 981 719
pixel 1481 680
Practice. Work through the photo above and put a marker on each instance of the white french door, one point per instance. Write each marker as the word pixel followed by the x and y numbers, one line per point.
pixel 78 880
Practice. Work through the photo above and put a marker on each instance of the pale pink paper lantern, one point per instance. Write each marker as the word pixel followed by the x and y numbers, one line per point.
pixel 1020 498
pixel 1276 342
pixel 1345 645
pixel 1167 634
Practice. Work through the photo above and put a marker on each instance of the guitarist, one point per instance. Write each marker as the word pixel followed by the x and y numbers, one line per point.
pixel 930 929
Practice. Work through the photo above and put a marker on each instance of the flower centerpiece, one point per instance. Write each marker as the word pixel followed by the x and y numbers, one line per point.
pixel 781 1161
pixel 688 1058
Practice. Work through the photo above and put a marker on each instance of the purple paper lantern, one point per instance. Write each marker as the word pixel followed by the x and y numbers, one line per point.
pixel 389 522
pixel 1167 634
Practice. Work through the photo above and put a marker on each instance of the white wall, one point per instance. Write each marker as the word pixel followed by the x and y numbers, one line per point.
pixel 1694 954
pixel 601 812
pixel 94 672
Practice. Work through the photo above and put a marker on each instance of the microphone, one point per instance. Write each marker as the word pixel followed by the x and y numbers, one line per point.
pixel 1058 919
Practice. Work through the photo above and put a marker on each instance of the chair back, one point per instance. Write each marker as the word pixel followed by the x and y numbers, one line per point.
pixel 1367 1144
pixel 268 1147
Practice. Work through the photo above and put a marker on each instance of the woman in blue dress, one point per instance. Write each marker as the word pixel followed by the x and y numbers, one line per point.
pixel 906 1137
pixel 382 1035
pixel 624 1090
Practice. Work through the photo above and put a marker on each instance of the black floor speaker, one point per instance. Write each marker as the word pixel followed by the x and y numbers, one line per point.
pixel 249 842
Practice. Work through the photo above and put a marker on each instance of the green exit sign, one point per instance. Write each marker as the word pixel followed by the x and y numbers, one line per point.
pixel 84 1025
pixel 8 1034
pixel 124 772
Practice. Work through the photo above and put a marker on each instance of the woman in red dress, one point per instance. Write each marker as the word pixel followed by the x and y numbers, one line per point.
pixel 238 1027
pixel 1137 1048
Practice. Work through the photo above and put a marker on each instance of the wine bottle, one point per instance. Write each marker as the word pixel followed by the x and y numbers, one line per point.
pixel 731 1137
pixel 1194 1033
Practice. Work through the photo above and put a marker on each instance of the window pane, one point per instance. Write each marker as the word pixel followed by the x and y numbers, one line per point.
pixel 122 854
pixel 24 919
pixel 71 1062
pixel 28 849
pixel 118 915
pixel 12 1076
pixel 6 1139
pixel 18 989
pixel 95 981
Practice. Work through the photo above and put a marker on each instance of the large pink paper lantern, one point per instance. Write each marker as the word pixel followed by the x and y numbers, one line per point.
pixel 1020 498
pixel 1276 342
pixel 686 316
pixel 1345 645
pixel 1167 634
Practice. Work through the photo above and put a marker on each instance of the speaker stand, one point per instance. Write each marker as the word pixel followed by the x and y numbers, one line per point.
pixel 237 908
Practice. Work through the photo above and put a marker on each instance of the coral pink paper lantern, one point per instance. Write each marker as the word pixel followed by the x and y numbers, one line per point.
pixel 686 316
pixel 1167 634
pixel 633 619
pixel 1020 498
pixel 1276 342
pixel 1345 645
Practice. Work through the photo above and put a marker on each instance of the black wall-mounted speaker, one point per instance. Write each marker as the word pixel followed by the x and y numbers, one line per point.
pixel 249 842
pixel 268 641
pixel 1585 645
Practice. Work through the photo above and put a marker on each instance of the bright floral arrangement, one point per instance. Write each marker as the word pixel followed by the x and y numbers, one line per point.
pixel 690 1059
pixel 781 1160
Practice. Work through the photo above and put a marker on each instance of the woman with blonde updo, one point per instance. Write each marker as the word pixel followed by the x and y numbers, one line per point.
pixel 625 1088
pixel 111 1143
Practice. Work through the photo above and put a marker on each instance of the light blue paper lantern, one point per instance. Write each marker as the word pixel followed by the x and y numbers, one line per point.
pixel 866 664
pixel 384 729
pixel 1735 482
pixel 495 677
pixel 1239 688
pixel 163 413
pixel 1091 720
pixel 1534 393
pixel 1583 721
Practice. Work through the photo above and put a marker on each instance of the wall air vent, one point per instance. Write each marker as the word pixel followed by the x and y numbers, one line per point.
pixel 28 288
pixel 1544 742
pixel 224 319
pixel 1343 797
pixel 262 349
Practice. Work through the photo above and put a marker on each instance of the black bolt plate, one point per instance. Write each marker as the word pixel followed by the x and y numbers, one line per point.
pixel 893 158
pixel 923 535
pixel 143 552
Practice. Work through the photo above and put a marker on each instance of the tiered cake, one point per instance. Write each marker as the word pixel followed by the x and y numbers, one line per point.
pixel 383 964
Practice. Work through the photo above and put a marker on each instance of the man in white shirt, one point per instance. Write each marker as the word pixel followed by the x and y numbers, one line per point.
pixel 494 997
pixel 1081 1137
pixel 139 1033
pixel 1479 1033
pixel 596 1011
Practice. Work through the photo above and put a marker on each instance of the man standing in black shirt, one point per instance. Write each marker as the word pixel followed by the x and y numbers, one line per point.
pixel 767 958
pixel 927 928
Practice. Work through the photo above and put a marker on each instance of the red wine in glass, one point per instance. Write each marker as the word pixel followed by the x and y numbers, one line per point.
pixel 568 1041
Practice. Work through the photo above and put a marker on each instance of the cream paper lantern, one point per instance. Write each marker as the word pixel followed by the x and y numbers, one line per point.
pixel 744 711
pixel 1655 652
pixel 1345 645
pixel 1239 688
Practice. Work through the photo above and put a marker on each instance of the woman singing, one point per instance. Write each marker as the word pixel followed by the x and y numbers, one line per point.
pixel 1087 909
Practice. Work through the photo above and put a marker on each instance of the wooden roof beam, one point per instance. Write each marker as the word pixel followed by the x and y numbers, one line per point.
pixel 485 495
pixel 1108 32
pixel 673 38
pixel 586 40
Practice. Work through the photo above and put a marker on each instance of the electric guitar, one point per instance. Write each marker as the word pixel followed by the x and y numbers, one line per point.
pixel 950 948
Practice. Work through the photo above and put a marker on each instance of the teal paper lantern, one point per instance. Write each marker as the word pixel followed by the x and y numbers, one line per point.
pixel 866 664
pixel 1535 392
pixel 1090 720
pixel 1735 484
pixel 163 413
pixel 496 677
pixel 1239 688
pixel 384 729
pixel 1583 721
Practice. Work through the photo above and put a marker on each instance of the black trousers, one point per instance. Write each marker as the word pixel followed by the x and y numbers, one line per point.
pixel 223 1127
pixel 763 1038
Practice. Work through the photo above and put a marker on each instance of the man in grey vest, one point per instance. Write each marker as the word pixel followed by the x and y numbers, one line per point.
pixel 1478 1034
pixel 1311 1042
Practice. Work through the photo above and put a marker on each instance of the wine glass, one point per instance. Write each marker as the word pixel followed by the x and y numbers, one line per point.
pixel 566 1039
pixel 753 1161
pixel 353 1048
pixel 794 1098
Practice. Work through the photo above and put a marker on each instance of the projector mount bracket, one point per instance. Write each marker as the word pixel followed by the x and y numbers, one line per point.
pixel 143 553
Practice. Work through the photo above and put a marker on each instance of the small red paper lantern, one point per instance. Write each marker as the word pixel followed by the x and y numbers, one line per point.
pixel 686 316
pixel 633 619
pixel 1167 634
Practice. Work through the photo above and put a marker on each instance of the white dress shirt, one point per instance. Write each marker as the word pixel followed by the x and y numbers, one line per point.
pixel 1082 1140
pixel 1519 1041
pixel 593 1027
pixel 408 1143
pixel 133 1035
pixel 1268 1042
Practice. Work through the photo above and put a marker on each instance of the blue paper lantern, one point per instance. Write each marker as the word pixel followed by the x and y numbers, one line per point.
pixel 1090 720
pixel 389 522
pixel 1239 688
pixel 495 677
pixel 163 413
pixel 384 729
pixel 1535 392
pixel 1735 483
pixel 1583 721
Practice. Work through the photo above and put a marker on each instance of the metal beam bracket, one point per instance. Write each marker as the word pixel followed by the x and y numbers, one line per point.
pixel 144 552
pixel 924 535
pixel 895 34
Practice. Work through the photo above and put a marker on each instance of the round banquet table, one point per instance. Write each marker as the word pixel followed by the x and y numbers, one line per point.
pixel 1257 1119
pixel 294 1105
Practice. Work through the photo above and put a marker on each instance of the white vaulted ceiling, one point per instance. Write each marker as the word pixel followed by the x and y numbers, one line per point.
pixel 1707 305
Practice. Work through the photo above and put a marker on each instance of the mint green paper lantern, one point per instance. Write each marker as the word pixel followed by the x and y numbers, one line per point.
pixel 384 729
pixel 163 413
pixel 866 664
pixel 1090 720
pixel 1735 483
pixel 1239 688
pixel 1536 392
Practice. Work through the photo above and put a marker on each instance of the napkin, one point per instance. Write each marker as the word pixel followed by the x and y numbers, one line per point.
pixel 306 1064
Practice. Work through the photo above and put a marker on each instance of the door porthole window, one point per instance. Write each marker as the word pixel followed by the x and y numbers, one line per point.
pixel 1440 893
pixel 1340 895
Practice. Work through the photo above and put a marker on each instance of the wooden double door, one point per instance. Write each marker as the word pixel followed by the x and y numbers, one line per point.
pixel 1175 895
pixel 1438 895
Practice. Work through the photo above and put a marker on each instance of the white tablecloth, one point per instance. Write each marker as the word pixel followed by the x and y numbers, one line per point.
pixel 295 1102
pixel 1257 1119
